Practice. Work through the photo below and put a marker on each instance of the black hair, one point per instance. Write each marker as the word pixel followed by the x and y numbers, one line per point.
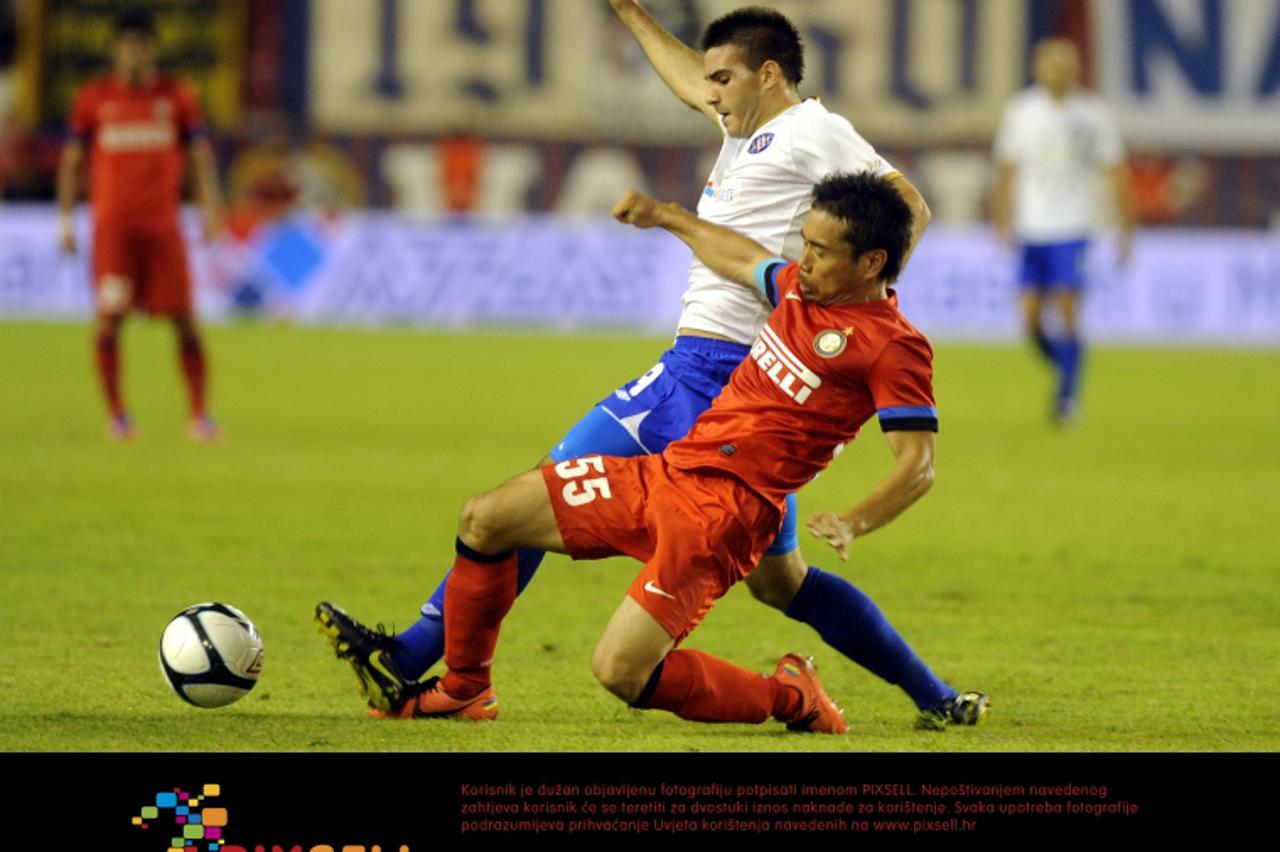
pixel 874 214
pixel 761 34
pixel 139 21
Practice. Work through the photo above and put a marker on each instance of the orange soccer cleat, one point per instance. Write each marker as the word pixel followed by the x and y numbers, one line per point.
pixel 818 713
pixel 429 700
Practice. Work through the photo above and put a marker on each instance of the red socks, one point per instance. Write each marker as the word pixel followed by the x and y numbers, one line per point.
pixel 703 688
pixel 191 355
pixel 193 371
pixel 478 595
pixel 107 354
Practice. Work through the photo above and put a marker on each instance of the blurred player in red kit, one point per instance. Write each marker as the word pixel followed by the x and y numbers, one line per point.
pixel 136 124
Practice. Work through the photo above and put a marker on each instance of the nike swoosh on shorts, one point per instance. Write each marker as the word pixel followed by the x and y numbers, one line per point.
pixel 650 587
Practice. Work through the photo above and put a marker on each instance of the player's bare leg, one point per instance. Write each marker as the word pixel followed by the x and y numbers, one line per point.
pixel 490 526
pixel 107 356
pixel 481 589
pixel 191 356
pixel 1068 305
pixel 776 579
pixel 635 660
pixel 631 647
pixel 1033 321
pixel 517 513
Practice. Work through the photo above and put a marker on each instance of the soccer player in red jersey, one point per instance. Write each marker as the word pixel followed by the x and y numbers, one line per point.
pixel 136 124
pixel 835 352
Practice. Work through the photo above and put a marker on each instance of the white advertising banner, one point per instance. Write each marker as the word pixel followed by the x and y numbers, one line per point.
pixel 1191 74
pixel 904 71
pixel 1180 287
pixel 1182 74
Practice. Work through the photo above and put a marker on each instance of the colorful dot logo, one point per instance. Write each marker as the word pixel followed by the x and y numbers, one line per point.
pixel 196 825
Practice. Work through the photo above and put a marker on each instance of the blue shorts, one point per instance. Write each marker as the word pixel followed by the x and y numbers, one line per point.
pixel 647 413
pixel 1053 265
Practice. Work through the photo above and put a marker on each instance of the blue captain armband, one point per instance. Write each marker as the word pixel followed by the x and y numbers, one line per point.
pixel 909 418
pixel 766 278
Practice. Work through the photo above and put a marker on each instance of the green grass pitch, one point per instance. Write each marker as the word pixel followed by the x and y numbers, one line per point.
pixel 1114 588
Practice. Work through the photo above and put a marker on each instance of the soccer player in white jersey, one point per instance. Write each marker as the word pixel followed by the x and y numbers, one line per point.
pixel 776 147
pixel 1054 139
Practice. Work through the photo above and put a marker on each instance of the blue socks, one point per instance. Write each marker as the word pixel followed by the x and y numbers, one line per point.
pixel 1067 359
pixel 1043 345
pixel 850 622
pixel 421 646
pixel 1064 354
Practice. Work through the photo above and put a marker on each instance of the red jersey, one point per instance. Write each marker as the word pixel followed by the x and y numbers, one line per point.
pixel 136 138
pixel 815 375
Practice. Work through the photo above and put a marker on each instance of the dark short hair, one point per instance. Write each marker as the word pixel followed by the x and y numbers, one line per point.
pixel 138 21
pixel 874 214
pixel 761 34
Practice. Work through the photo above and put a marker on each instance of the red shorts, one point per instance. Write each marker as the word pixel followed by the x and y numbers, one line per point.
pixel 140 268
pixel 697 533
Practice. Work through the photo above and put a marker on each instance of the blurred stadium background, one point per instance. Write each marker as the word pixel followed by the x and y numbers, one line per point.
pixel 373 152
pixel 447 165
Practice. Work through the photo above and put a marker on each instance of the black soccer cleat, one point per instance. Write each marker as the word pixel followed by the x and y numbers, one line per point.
pixel 965 708
pixel 368 652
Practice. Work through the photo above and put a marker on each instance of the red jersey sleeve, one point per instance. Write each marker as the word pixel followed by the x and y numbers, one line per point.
pixel 189 116
pixel 901 383
pixel 82 121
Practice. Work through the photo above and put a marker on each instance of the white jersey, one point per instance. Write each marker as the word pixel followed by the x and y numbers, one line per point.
pixel 761 186
pixel 1057 148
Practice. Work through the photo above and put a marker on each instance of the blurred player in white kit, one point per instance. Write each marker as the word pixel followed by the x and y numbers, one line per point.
pixel 1054 139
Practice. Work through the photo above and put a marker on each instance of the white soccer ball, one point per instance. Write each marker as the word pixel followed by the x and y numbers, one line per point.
pixel 211 654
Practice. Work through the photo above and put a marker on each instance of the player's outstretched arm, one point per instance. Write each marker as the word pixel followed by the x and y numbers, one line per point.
pixel 676 63
pixel 910 479
pixel 68 171
pixel 725 252
pixel 921 215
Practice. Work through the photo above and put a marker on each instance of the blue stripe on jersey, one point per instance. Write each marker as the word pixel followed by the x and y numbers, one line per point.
pixel 908 418
pixel 897 411
pixel 766 278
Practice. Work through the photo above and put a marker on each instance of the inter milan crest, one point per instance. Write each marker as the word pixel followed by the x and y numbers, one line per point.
pixel 759 143
pixel 830 343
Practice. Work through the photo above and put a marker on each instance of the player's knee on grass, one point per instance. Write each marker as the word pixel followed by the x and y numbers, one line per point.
pixel 632 646
pixel 619 674
pixel 777 579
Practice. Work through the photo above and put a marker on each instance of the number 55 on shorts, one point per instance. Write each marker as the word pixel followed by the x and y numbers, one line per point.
pixel 579 491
